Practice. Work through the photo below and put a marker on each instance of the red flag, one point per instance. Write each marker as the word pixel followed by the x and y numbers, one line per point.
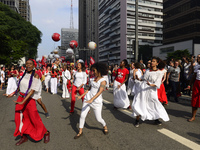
pixel 91 60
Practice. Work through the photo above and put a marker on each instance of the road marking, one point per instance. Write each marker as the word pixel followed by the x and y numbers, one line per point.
pixel 170 134
pixel 180 139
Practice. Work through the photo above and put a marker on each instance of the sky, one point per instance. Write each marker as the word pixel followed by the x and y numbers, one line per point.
pixel 49 16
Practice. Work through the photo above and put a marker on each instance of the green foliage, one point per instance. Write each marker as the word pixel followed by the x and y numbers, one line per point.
pixel 18 38
pixel 178 54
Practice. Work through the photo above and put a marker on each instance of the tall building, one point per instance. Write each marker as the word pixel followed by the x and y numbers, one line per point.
pixel 181 21
pixel 25 10
pixel 13 4
pixel 117 27
pixel 181 30
pixel 88 28
pixel 67 35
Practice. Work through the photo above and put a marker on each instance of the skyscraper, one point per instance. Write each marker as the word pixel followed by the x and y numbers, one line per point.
pixel 117 27
pixel 25 10
pixel 13 4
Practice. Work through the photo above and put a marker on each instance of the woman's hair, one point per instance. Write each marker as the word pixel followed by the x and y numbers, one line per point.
pixel 161 64
pixel 82 66
pixel 30 81
pixel 125 62
pixel 102 68
pixel 138 65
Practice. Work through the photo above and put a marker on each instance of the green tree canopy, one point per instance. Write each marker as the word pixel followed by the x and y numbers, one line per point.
pixel 178 54
pixel 18 37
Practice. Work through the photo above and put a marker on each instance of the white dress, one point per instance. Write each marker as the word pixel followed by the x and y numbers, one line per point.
pixel 96 104
pixel 47 78
pixel 65 77
pixel 136 82
pixel 145 102
pixel 130 82
pixel 12 85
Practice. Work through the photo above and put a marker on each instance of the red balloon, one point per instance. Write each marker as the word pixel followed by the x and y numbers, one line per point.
pixel 56 37
pixel 73 43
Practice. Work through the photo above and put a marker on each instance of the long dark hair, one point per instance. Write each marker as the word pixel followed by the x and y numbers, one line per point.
pixel 102 68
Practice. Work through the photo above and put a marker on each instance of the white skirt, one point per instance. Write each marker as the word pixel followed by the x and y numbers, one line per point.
pixel 47 82
pixel 12 85
pixel 121 99
pixel 130 86
pixel 53 85
pixel 146 103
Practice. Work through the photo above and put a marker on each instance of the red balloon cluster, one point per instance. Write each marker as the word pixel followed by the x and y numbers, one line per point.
pixel 56 37
pixel 73 43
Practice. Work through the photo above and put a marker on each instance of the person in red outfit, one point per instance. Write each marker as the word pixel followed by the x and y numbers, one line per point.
pixel 196 90
pixel 27 119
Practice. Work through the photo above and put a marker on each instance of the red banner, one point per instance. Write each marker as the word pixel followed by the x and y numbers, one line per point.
pixel 92 61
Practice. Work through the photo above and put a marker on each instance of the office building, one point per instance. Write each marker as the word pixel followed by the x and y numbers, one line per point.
pixel 117 27
pixel 67 35
pixel 13 4
pixel 25 10
pixel 88 28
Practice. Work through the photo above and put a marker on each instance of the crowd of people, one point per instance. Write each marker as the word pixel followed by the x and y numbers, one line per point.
pixel 151 86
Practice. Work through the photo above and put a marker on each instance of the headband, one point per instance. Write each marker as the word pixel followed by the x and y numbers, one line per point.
pixel 34 62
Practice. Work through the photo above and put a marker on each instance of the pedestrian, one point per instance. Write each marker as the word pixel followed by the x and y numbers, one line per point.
pixel 27 119
pixel 2 77
pixel 53 81
pixel 131 80
pixel 173 79
pixel 12 81
pixel 145 103
pixel 93 98
pixel 196 90
pixel 80 79
pixel 47 75
pixel 121 99
pixel 66 77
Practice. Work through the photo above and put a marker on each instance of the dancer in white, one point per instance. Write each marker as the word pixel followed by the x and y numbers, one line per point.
pixel 66 76
pixel 137 74
pixel 145 103
pixel 12 81
pixel 93 98
pixel 2 77
pixel 121 99
pixel 47 75
pixel 53 81
pixel 131 80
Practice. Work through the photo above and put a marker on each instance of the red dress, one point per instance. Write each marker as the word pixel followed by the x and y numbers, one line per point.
pixel 162 94
pixel 196 94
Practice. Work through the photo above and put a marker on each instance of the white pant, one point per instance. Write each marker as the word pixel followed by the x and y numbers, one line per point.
pixel 65 91
pixel 47 82
pixel 53 85
pixel 97 111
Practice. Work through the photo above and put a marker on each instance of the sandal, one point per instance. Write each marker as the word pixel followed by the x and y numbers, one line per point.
pixel 78 135
pixel 105 131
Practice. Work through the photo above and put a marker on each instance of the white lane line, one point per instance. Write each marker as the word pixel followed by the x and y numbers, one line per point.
pixel 180 139
pixel 170 134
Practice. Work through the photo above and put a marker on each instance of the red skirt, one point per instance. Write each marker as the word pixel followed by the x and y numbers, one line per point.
pixel 196 94
pixel 162 94
pixel 28 121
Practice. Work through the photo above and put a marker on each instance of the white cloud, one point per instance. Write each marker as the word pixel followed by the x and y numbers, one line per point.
pixel 49 16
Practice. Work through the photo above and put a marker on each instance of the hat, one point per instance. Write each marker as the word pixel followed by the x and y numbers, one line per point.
pixel 80 61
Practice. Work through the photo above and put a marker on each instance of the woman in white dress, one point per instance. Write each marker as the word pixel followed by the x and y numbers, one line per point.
pixel 145 103
pixel 131 80
pixel 137 74
pixel 53 81
pixel 93 98
pixel 47 75
pixel 12 81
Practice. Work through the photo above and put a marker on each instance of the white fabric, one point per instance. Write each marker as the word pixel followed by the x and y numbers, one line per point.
pixel 36 85
pixel 197 71
pixel 2 76
pixel 139 75
pixel 12 85
pixel 145 102
pixel 38 93
pixel 130 82
pixel 107 80
pixel 65 93
pixel 47 79
pixel 53 83
pixel 121 99
pixel 80 78
pixel 66 74
pixel 186 70
pixel 96 104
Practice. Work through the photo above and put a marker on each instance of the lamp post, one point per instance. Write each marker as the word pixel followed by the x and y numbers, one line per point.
pixel 136 31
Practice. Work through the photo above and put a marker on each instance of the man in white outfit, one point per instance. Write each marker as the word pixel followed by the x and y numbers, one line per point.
pixel 65 77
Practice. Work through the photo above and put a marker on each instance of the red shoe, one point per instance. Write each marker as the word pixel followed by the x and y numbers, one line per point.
pixel 47 137
pixel 22 140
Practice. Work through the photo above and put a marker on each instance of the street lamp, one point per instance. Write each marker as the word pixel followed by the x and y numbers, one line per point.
pixel 136 31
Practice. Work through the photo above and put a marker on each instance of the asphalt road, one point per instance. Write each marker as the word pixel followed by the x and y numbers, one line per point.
pixel 177 134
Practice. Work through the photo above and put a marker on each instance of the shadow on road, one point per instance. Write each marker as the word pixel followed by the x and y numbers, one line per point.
pixel 194 135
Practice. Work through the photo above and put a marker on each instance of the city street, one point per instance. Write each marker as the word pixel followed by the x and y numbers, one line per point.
pixel 177 134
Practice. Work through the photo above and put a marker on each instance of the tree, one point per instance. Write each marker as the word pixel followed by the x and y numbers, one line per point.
pixel 18 38
pixel 178 54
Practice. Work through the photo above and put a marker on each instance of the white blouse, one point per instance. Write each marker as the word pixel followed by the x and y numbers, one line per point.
pixel 47 74
pixel 66 74
pixel 80 78
pixel 197 71
pixel 36 85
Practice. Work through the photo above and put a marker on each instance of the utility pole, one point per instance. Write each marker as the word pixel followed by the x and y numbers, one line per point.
pixel 71 16
pixel 136 31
